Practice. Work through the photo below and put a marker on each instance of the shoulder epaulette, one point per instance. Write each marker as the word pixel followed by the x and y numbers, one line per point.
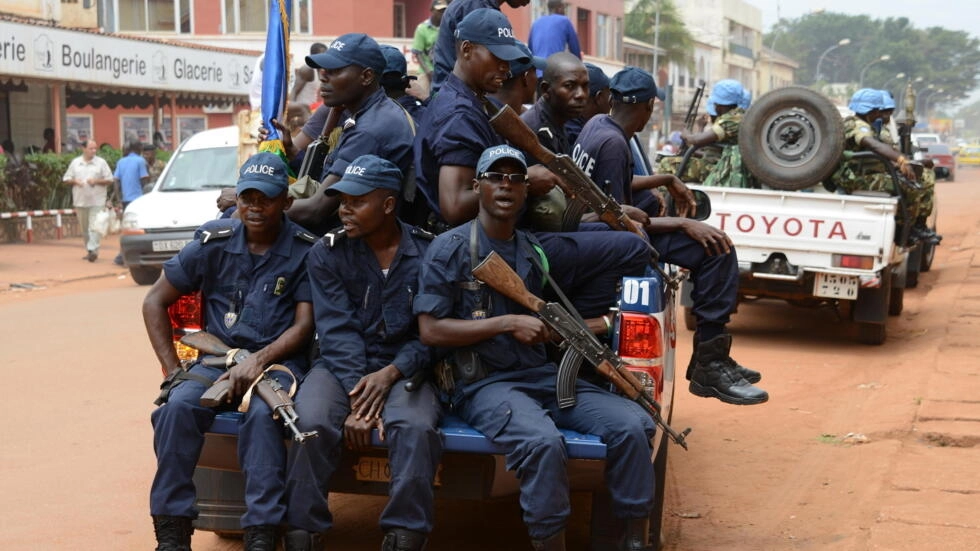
pixel 334 236
pixel 422 234
pixel 224 233
pixel 305 236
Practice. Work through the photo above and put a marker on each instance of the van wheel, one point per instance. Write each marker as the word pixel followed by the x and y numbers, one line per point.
pixel 690 320
pixel 896 300
pixel 928 253
pixel 144 275
pixel 791 138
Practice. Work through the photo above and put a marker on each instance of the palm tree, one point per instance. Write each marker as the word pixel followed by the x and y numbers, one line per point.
pixel 674 38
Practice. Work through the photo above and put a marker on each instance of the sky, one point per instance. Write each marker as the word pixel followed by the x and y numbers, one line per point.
pixel 962 15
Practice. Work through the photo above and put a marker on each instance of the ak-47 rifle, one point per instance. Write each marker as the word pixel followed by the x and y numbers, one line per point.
pixel 692 110
pixel 495 272
pixel 279 399
pixel 574 182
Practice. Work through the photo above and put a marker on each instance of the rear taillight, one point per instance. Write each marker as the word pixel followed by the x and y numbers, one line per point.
pixel 186 317
pixel 640 336
pixel 853 261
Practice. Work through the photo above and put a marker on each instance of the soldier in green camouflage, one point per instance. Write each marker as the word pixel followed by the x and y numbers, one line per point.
pixel 870 174
pixel 725 103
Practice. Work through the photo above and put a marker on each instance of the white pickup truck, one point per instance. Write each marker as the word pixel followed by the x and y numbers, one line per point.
pixel 798 242
pixel 811 248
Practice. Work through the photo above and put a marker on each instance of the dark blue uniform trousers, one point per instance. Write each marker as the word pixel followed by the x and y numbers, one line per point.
pixel 411 421
pixel 588 264
pixel 178 436
pixel 522 416
pixel 714 278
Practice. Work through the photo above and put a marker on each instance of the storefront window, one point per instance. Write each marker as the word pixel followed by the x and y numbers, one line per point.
pixel 250 16
pixel 153 15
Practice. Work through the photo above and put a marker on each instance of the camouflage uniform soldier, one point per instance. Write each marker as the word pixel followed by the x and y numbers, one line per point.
pixel 870 174
pixel 725 102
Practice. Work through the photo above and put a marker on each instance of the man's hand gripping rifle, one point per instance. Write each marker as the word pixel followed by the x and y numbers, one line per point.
pixel 279 399
pixel 495 272
pixel 574 182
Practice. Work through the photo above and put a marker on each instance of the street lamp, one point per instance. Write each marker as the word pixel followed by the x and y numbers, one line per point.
pixel 889 81
pixel 885 57
pixel 925 100
pixel 841 42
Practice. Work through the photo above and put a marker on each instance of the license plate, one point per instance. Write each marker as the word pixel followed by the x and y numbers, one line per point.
pixel 169 245
pixel 376 469
pixel 836 286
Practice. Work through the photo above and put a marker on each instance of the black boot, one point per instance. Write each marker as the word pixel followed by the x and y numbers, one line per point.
pixel 398 539
pixel 301 540
pixel 173 533
pixel 715 376
pixel 260 538
pixel 749 375
pixel 637 535
pixel 555 542
pixel 920 232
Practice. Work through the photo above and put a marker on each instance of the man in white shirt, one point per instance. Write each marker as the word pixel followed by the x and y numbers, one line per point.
pixel 90 178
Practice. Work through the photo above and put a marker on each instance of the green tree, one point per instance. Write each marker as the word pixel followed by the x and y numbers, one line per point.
pixel 674 38
pixel 941 57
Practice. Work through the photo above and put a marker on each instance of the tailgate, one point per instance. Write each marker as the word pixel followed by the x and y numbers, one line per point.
pixel 807 228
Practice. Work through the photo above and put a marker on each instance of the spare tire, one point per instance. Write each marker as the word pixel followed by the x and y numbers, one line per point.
pixel 791 138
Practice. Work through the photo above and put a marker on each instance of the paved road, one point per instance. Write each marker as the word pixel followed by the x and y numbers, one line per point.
pixel 76 457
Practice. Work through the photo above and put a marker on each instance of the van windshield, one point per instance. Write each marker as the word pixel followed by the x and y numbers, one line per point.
pixel 200 169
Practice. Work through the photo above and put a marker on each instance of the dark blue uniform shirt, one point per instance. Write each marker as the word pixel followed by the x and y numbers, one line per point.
pixel 444 52
pixel 446 268
pixel 258 295
pixel 364 319
pixel 455 130
pixel 603 153
pixel 552 136
pixel 380 127
pixel 573 128
pixel 413 105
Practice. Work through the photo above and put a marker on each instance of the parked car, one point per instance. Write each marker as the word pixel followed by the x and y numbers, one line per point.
pixel 970 155
pixel 161 222
pixel 941 157
pixel 923 139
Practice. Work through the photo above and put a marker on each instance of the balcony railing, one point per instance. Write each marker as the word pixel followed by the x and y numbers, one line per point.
pixel 744 51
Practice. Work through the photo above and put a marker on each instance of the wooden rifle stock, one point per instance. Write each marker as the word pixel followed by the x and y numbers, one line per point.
pixel 205 342
pixel 575 183
pixel 495 272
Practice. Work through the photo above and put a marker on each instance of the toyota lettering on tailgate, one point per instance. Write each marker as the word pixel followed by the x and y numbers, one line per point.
pixel 781 225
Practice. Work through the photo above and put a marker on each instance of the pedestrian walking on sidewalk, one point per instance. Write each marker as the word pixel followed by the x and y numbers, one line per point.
pixel 90 178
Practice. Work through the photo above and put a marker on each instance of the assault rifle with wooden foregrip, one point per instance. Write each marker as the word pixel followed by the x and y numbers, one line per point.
pixel 574 182
pixel 279 399
pixel 495 272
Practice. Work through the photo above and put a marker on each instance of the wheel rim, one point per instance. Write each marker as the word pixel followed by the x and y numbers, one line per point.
pixel 791 138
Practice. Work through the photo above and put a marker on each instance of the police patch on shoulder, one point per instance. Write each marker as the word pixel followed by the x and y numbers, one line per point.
pixel 864 129
pixel 420 233
pixel 305 236
pixel 223 233
pixel 334 236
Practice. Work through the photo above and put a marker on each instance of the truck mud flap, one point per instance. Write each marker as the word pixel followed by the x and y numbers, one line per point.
pixel 872 302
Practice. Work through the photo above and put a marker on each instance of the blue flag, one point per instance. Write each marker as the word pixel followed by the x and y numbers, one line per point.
pixel 275 73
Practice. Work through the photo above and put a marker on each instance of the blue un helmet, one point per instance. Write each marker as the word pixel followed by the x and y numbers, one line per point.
pixel 887 101
pixel 865 101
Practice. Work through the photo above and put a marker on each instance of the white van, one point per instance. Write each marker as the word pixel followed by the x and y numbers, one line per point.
pixel 161 222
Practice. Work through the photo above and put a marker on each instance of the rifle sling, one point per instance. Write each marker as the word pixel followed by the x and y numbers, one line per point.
pixel 247 398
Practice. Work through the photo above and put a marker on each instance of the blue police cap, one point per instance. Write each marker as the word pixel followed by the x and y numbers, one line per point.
pixel 490 28
pixel 865 101
pixel 598 81
pixel 265 172
pixel 887 101
pixel 350 49
pixel 726 92
pixel 521 66
pixel 366 174
pixel 495 153
pixel 634 85
pixel 396 68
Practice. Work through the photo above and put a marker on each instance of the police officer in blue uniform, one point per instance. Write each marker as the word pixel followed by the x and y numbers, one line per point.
pixel 503 383
pixel 256 296
pixel 602 151
pixel 350 75
pixel 364 278
pixel 597 104
pixel 444 52
pixel 456 130
pixel 395 80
